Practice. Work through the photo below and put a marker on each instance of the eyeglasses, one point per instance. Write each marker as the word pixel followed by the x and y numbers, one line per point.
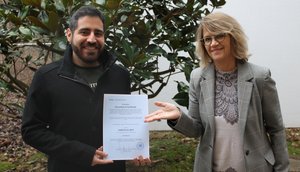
pixel 208 40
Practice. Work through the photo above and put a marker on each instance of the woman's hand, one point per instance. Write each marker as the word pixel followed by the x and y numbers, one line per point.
pixel 166 111
pixel 99 157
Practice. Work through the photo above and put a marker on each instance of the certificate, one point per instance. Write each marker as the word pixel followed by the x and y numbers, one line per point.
pixel 125 134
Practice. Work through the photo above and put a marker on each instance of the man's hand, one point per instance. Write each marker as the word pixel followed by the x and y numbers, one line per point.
pixel 140 161
pixel 99 157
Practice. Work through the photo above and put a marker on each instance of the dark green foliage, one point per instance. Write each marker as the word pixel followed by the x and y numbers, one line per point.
pixel 142 33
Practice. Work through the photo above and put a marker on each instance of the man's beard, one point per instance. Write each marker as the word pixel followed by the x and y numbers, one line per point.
pixel 89 58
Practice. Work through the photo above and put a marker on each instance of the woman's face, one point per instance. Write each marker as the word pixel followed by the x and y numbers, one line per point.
pixel 218 46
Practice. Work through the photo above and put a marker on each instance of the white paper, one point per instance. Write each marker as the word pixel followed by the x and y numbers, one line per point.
pixel 125 134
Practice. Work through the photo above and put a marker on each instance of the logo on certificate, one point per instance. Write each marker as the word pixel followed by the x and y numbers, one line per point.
pixel 140 145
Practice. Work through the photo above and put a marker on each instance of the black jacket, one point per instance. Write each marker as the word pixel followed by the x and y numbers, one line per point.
pixel 63 115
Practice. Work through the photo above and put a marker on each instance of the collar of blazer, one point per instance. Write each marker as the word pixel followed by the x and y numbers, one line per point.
pixel 245 86
pixel 245 72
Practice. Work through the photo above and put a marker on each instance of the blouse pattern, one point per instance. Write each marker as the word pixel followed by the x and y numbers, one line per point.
pixel 226 100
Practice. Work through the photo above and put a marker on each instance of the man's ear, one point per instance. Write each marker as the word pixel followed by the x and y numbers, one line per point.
pixel 69 35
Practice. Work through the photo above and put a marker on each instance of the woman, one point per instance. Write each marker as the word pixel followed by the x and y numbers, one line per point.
pixel 233 105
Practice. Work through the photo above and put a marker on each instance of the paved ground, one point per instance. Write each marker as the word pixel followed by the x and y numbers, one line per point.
pixel 295 165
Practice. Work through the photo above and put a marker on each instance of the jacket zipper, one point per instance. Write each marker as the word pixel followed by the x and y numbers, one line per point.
pixel 83 83
pixel 75 80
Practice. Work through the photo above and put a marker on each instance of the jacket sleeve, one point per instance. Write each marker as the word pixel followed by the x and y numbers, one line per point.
pixel 274 123
pixel 36 130
pixel 190 124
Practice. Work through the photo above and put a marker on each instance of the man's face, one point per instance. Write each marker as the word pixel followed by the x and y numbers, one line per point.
pixel 87 41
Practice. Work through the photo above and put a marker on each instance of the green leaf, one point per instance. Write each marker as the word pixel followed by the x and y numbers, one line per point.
pixel 39 31
pixel 154 49
pixel 123 18
pixel 59 5
pixel 53 21
pixel 158 25
pixel 203 2
pixel 67 3
pixel 187 69
pixel 35 3
pixel 43 16
pixel 182 98
pixel 182 87
pixel 3 85
pixel 24 12
pixel 60 43
pixel 101 2
pixel 112 4
pixel 12 33
pixel 125 61
pixel 14 19
pixel 35 21
pixel 141 58
pixel 128 49
pixel 218 3
pixel 24 30
pixel 28 58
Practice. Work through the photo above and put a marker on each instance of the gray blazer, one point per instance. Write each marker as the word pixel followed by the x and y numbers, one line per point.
pixel 261 125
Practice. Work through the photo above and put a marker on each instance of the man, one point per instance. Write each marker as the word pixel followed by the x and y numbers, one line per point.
pixel 63 112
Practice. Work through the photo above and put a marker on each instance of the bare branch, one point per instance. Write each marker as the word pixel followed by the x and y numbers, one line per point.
pixel 49 48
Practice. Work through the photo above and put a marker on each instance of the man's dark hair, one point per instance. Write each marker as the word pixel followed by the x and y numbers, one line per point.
pixel 85 11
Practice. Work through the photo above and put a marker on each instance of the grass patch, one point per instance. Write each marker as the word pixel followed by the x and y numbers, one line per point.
pixel 169 151
pixel 35 162
pixel 294 149
pixel 5 166
pixel 36 157
pixel 172 151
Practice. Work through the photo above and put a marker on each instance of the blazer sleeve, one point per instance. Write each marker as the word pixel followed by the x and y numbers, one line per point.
pixel 274 122
pixel 190 124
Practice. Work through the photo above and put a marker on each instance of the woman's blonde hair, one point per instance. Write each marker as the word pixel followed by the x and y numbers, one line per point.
pixel 222 23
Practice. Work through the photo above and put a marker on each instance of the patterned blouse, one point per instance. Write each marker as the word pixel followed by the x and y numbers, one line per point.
pixel 228 149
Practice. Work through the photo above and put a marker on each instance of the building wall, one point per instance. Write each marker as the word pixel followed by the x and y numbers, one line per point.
pixel 272 27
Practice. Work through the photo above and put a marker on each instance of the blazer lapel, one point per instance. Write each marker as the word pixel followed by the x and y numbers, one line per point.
pixel 244 93
pixel 208 92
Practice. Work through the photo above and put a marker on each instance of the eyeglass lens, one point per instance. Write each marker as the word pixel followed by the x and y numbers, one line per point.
pixel 219 38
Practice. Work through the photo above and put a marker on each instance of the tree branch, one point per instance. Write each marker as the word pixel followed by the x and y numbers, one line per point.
pixel 49 48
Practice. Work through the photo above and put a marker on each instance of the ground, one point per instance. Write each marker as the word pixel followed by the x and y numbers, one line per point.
pixel 168 150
